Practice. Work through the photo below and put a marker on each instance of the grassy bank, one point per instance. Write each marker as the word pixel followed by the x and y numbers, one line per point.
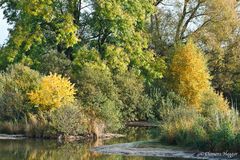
pixel 209 130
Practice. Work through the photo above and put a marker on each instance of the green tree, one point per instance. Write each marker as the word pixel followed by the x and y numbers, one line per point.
pixel 15 83
pixel 136 105
pixel 67 26
pixel 37 24
pixel 54 62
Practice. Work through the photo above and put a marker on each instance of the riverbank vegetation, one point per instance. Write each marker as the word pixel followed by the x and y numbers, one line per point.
pixel 84 68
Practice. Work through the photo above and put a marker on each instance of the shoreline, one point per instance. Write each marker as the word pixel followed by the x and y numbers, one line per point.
pixel 131 149
pixel 61 138
pixel 141 148
pixel 12 137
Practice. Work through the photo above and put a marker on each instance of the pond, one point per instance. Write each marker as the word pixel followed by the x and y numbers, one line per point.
pixel 29 149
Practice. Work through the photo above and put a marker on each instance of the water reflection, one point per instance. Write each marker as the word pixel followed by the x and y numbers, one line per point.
pixel 51 150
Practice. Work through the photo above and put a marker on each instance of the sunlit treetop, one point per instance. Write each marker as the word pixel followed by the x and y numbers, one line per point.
pixel 109 27
pixel 190 74
pixel 37 22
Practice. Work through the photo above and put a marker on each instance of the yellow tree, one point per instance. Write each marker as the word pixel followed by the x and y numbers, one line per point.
pixel 190 74
pixel 54 91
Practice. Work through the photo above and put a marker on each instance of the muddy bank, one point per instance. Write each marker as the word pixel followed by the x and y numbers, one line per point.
pixel 89 137
pixel 62 138
pixel 12 137
pixel 139 149
pixel 141 124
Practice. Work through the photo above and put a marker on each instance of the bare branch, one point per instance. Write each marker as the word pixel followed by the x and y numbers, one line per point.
pixel 87 6
pixel 199 28
pixel 158 2
pixel 184 13
pixel 190 18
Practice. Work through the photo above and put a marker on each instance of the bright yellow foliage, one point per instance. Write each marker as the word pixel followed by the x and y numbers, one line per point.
pixel 190 74
pixel 54 91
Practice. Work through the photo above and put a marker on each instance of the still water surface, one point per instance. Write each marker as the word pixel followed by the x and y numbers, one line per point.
pixel 51 150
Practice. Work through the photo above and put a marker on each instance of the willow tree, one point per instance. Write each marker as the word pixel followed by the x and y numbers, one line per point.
pixel 189 74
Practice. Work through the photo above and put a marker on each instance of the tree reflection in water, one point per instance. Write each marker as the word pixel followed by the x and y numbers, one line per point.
pixel 51 150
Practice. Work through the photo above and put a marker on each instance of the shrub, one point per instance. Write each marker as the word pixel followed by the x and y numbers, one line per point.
pixel 106 117
pixel 68 120
pixel 136 105
pixel 222 139
pixel 98 95
pixel 212 102
pixel 216 111
pixel 15 83
pixel 189 73
pixel 212 129
pixel 95 77
pixel 222 130
pixel 181 124
pixel 236 143
pixel 165 104
pixel 198 136
pixel 54 62
pixel 54 91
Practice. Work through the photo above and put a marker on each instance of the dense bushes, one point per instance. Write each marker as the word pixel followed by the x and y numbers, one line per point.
pixel 107 94
pixel 15 83
pixel 43 106
pixel 163 104
pixel 24 94
pixel 112 98
pixel 202 118
pixel 34 125
pixel 136 105
pixel 68 120
pixel 176 118
pixel 54 62
pixel 212 102
pixel 98 95
pixel 215 128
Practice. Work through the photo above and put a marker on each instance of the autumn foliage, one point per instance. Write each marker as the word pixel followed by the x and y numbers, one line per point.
pixel 54 91
pixel 189 73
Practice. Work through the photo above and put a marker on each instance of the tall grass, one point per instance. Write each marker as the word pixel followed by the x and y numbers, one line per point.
pixel 31 127
pixel 11 128
pixel 218 132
